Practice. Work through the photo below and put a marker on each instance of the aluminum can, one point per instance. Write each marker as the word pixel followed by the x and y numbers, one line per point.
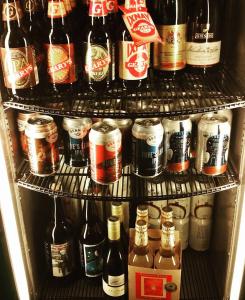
pixel 43 153
pixel 105 146
pixel 154 213
pixel 155 187
pixel 181 207
pixel 182 225
pixel 125 126
pixel 213 145
pixel 202 206
pixel 177 141
pixel 200 233
pixel 122 188
pixel 76 143
pixel 195 118
pixel 147 147
pixel 22 122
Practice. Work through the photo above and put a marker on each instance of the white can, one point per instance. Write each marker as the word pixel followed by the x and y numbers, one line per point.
pixel 202 206
pixel 200 233
pixel 213 145
pixel 223 113
pixel 181 207
pixel 195 118
pixel 182 225
pixel 154 213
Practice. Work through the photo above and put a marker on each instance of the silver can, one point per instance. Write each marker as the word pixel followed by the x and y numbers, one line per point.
pixel 105 146
pixel 202 206
pixel 177 142
pixel 147 147
pixel 200 233
pixel 213 145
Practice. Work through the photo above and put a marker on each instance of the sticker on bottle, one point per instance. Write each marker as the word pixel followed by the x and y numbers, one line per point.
pixel 98 8
pixel 30 5
pixel 61 63
pixel 11 11
pixel 19 67
pixel 56 9
pixel 115 287
pixel 62 259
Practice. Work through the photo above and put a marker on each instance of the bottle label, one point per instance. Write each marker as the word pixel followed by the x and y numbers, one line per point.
pixel 97 61
pixel 73 3
pixel 61 63
pixel 56 9
pixel 112 6
pixel 170 55
pixel 141 238
pixel 115 287
pixel 68 7
pixel 98 8
pixel 135 5
pixel 19 67
pixel 62 259
pixel 133 60
pixel 203 54
pixel 92 259
pixel 12 11
pixel 30 6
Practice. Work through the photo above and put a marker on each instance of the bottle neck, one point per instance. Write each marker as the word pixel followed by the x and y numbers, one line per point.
pixel 167 243
pixel 90 212
pixel 56 13
pixel 98 21
pixel 11 14
pixel 141 242
pixel 58 210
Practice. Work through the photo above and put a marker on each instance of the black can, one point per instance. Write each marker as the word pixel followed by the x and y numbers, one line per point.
pixel 147 150
pixel 76 143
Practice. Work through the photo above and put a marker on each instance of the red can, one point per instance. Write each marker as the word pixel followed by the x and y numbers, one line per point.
pixel 105 142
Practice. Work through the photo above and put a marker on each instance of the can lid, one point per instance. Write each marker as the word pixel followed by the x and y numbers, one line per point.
pixel 120 123
pixel 40 126
pixel 113 224
pixel 103 127
pixel 141 225
pixel 75 122
pixel 147 122
pixel 213 119
pixel 142 210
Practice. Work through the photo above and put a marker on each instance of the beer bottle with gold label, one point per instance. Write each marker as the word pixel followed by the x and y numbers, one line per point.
pixel 133 60
pixel 98 49
pixel 17 56
pixel 59 46
pixel 169 57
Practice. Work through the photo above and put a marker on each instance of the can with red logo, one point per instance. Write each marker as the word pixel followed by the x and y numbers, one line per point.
pixel 105 145
pixel 43 153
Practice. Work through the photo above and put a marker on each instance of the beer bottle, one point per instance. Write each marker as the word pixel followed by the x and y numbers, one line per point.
pixel 98 49
pixel 133 60
pixel 112 8
pixel 169 57
pixel 17 56
pixel 59 46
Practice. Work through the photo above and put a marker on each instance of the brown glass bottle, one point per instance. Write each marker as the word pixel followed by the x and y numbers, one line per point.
pixel 60 53
pixel 59 246
pixel 98 49
pixel 17 55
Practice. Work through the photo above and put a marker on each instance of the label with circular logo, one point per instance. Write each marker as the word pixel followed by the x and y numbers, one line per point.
pixel 12 11
pixel 30 5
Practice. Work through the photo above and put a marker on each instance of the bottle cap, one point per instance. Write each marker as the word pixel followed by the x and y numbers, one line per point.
pixel 142 210
pixel 168 227
pixel 116 210
pixel 113 224
pixel 167 213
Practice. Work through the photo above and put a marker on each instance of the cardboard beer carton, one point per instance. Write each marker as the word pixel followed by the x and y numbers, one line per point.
pixel 154 284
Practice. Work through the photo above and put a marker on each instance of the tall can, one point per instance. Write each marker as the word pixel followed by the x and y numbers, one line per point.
pixel 200 233
pixel 43 153
pixel 177 141
pixel 202 206
pixel 75 139
pixel 147 147
pixel 125 126
pixel 213 145
pixel 105 147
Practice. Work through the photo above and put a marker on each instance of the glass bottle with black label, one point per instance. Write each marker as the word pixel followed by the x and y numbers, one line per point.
pixel 91 242
pixel 169 57
pixel 59 47
pixel 204 35
pixel 98 49
pixel 114 279
pixel 59 245
pixel 17 55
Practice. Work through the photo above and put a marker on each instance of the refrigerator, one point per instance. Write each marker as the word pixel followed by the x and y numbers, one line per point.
pixel 25 200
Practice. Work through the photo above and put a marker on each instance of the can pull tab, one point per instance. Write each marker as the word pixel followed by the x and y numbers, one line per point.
pixel 170 287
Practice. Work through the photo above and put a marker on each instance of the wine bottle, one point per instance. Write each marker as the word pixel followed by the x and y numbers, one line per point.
pixel 91 241
pixel 169 57
pixel 59 245
pixel 141 255
pixel 114 269
pixel 204 35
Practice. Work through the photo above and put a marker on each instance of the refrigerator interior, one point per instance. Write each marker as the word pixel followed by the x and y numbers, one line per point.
pixel 204 275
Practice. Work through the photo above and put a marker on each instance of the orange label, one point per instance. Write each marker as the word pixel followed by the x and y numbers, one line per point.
pixel 97 8
pixel 56 9
pixel 68 7
pixel 61 63
pixel 112 6
pixel 12 11
pixel 134 5
pixel 73 3
pixel 170 55
pixel 30 5
pixel 19 67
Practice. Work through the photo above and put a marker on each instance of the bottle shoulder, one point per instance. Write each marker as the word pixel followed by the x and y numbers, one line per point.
pixel 15 38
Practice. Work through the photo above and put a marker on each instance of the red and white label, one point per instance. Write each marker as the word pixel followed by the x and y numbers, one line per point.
pixel 98 8
pixel 134 60
pixel 56 9
pixel 112 6
pixel 134 5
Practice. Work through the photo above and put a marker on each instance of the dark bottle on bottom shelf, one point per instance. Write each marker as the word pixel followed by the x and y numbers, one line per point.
pixel 91 241
pixel 59 246
pixel 114 279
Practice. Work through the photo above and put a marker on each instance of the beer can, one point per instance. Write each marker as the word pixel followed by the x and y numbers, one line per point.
pixel 43 153
pixel 200 233
pixel 223 112
pixel 177 141
pixel 181 185
pixel 105 144
pixel 122 188
pixel 202 206
pixel 22 122
pixel 125 126
pixel 154 213
pixel 147 147
pixel 195 118
pixel 213 145
pixel 181 207
pixel 75 140
pixel 182 225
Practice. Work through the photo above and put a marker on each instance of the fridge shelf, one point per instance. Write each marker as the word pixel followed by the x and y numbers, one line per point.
pixel 76 183
pixel 187 94
pixel 197 282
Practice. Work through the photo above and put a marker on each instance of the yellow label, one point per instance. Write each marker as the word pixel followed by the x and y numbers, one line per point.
pixel 56 9
pixel 170 54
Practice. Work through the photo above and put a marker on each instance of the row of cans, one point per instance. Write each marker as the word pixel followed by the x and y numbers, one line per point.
pixel 150 145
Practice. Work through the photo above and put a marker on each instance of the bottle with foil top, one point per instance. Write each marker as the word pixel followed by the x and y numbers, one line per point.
pixel 167 256
pixel 141 254
pixel 166 215
pixel 142 213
